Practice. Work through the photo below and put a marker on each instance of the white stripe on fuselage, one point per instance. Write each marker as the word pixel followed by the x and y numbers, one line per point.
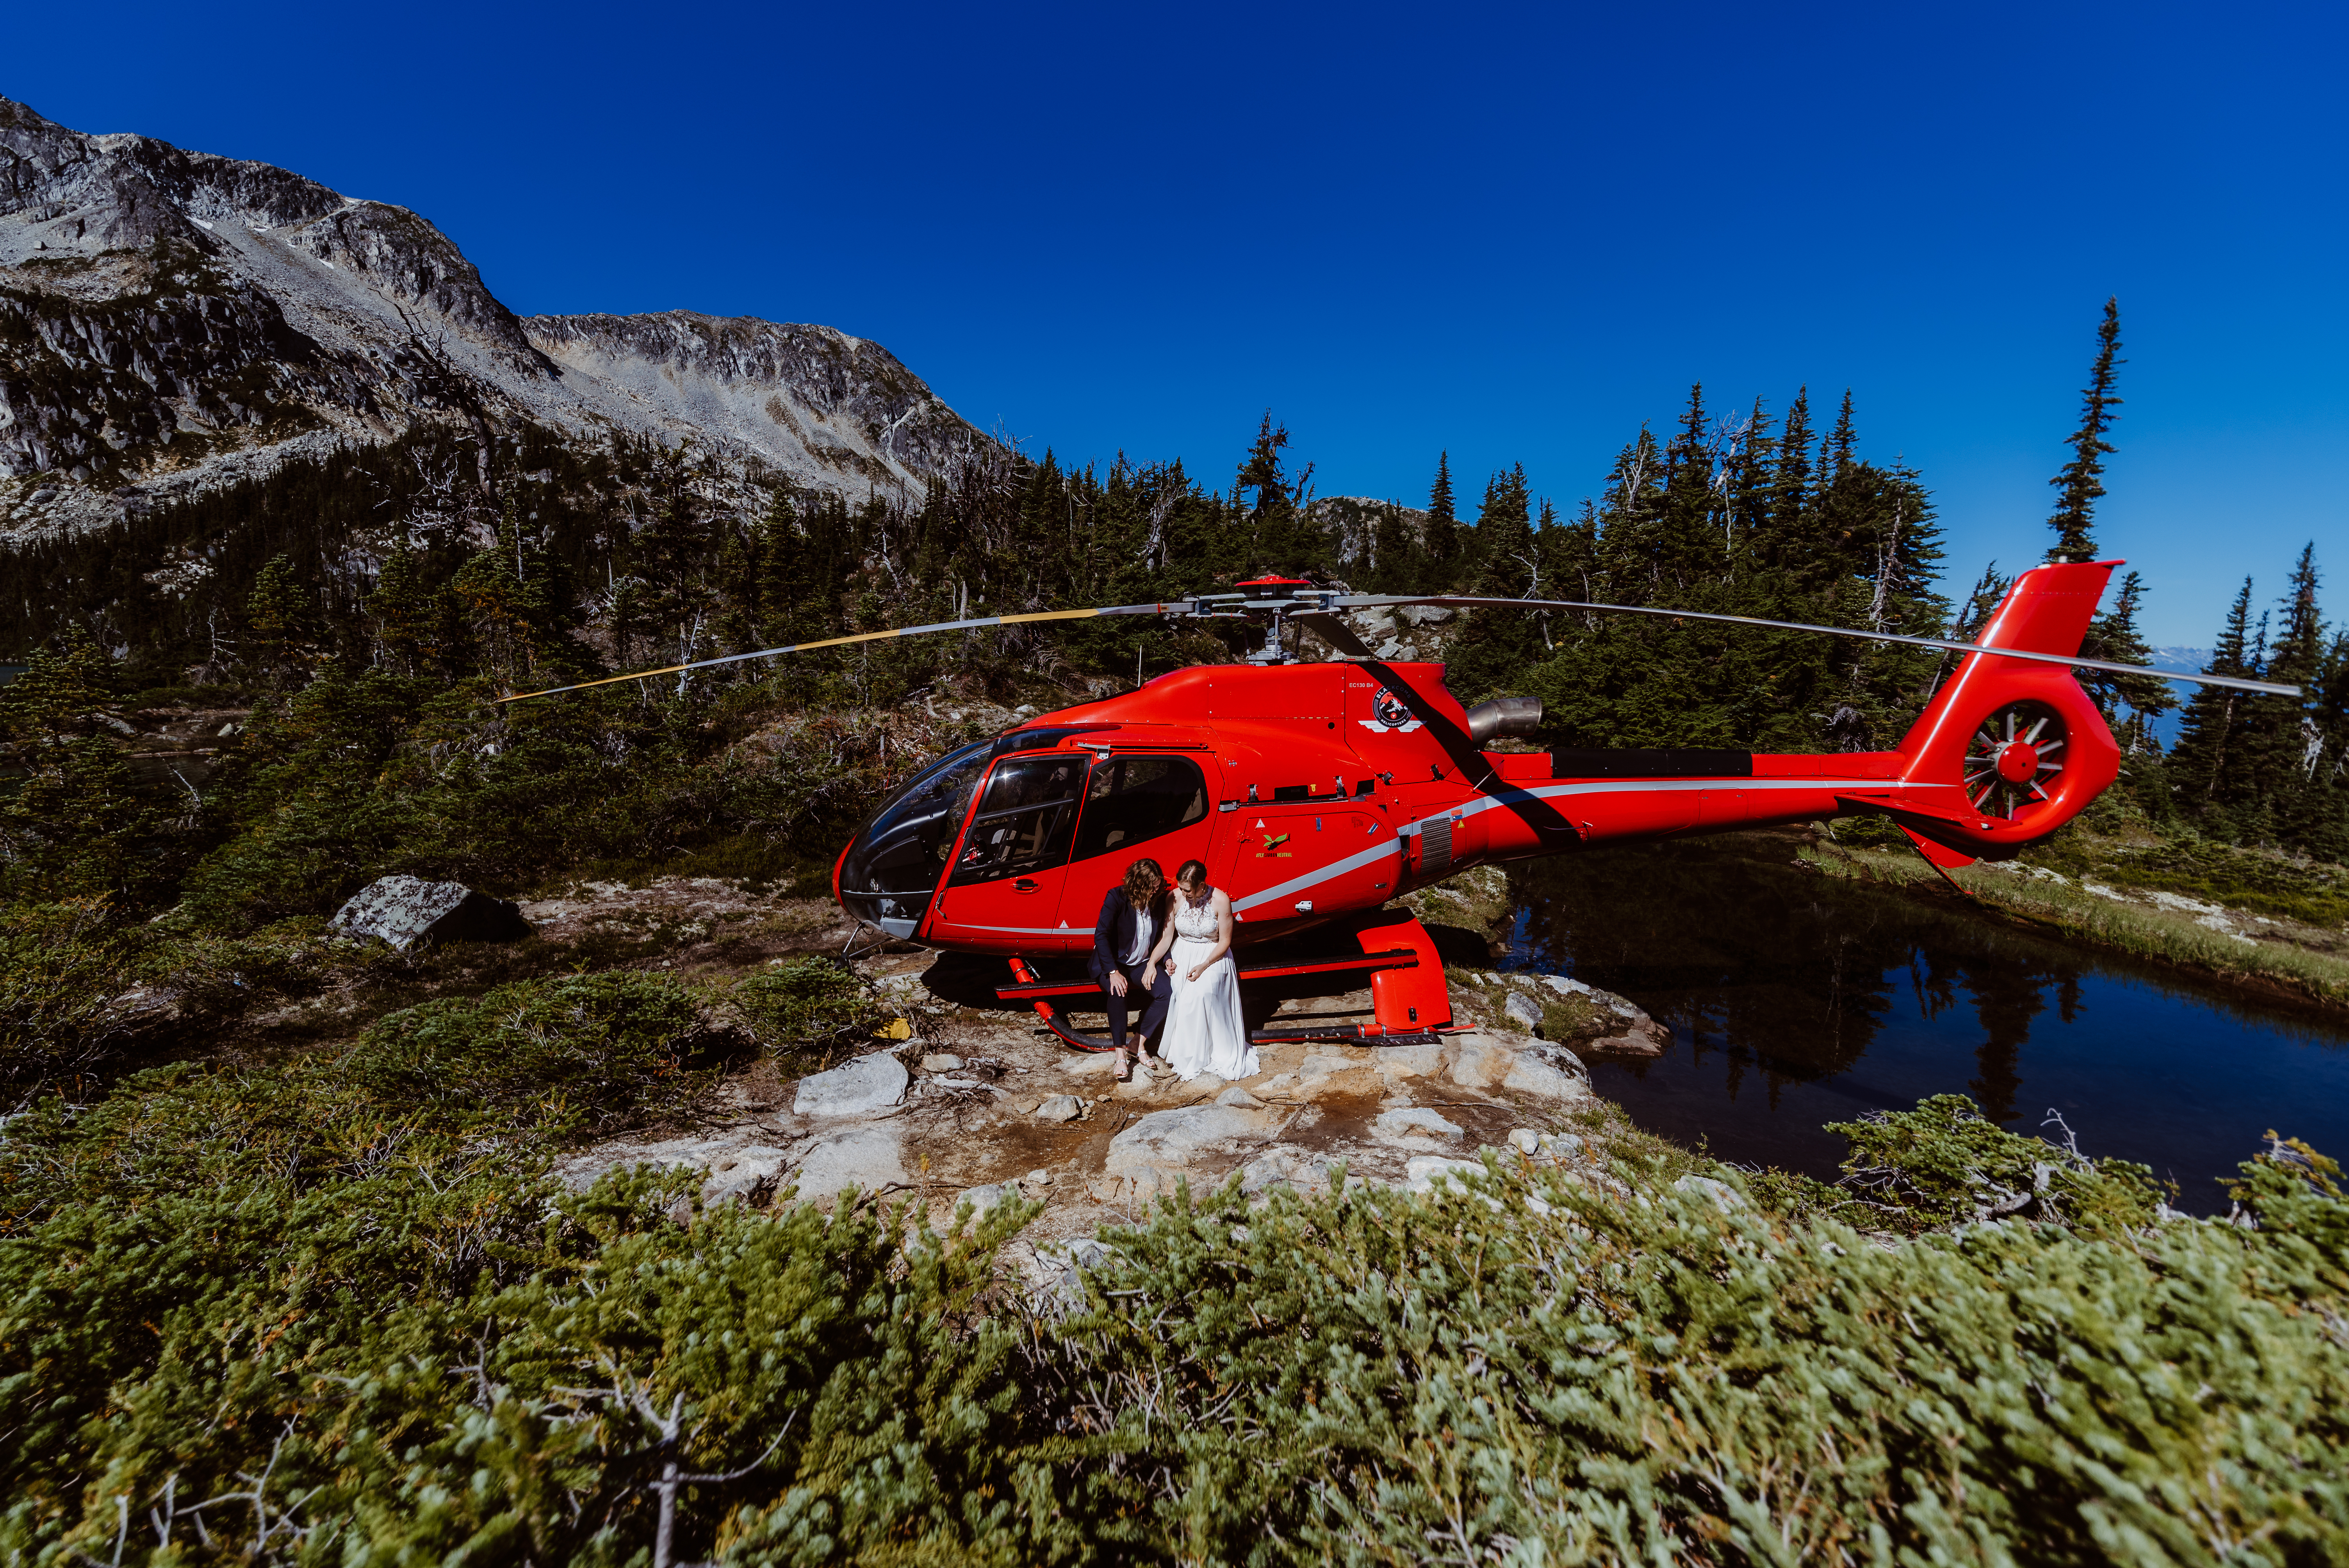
pixel 1553 793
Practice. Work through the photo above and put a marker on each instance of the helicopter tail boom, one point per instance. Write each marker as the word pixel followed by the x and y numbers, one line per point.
pixel 2010 750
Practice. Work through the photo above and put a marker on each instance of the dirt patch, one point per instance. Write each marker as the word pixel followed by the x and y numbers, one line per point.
pixel 684 923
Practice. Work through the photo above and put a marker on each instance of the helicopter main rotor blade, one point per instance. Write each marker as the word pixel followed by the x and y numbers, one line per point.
pixel 972 625
pixel 1336 633
pixel 1316 609
pixel 1371 600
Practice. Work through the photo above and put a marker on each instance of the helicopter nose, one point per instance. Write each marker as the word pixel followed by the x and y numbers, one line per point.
pixel 888 875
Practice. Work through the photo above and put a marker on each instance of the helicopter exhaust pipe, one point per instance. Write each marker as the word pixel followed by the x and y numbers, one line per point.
pixel 1512 716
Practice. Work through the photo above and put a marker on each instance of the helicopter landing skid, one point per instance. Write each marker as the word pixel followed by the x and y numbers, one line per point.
pixel 1409 999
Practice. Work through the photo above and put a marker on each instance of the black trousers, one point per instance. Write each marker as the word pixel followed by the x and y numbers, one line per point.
pixel 1158 989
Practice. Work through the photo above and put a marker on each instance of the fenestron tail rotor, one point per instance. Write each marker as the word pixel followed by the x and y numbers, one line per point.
pixel 2015 761
pixel 1292 599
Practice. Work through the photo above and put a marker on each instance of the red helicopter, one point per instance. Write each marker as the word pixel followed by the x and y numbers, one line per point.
pixel 1316 793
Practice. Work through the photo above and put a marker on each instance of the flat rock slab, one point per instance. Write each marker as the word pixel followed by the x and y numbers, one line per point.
pixel 1161 1148
pixel 736 1165
pixel 1490 1061
pixel 405 912
pixel 862 1088
pixel 1285 1165
pixel 866 1158
pixel 1424 1172
pixel 1417 1122
pixel 1532 1075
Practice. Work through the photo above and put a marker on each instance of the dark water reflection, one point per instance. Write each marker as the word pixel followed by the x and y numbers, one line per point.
pixel 1796 999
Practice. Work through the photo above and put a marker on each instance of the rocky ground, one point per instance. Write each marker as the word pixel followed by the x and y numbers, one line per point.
pixel 980 1103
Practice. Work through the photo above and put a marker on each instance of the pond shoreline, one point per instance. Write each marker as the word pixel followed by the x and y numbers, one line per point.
pixel 2188 937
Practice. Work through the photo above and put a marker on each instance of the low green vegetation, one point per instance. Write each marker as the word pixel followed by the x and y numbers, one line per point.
pixel 341 1312
pixel 2313 965
pixel 2264 882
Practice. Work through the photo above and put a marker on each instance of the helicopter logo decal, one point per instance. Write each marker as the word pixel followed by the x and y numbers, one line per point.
pixel 1393 718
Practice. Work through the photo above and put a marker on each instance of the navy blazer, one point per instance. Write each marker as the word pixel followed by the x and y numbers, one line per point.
pixel 1114 933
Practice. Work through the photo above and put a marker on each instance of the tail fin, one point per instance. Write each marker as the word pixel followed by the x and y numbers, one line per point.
pixel 2024 747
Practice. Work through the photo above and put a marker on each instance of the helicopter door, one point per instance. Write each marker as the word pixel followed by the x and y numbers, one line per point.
pixel 1152 806
pixel 1004 891
pixel 1310 863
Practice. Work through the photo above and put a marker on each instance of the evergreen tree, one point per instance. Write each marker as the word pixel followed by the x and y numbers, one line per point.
pixel 2114 637
pixel 2282 742
pixel 74 825
pixel 738 583
pixel 2199 766
pixel 1285 538
pixel 1497 645
pixel 279 621
pixel 1631 558
pixel 411 615
pixel 1836 449
pixel 1443 544
pixel 1790 495
pixel 788 592
pixel 1690 543
pixel 2318 821
pixel 1399 563
pixel 2081 480
pixel 1749 483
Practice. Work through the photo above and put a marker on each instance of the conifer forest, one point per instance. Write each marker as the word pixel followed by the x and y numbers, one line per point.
pixel 293 1268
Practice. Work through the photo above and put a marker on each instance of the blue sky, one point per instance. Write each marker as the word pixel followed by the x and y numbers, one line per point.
pixel 1513 232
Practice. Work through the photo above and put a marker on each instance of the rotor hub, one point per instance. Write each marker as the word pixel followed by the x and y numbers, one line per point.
pixel 2018 762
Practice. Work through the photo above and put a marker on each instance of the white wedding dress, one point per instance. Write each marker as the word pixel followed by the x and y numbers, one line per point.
pixel 1205 1032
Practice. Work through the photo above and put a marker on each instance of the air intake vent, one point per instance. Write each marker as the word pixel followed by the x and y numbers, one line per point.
pixel 1436 846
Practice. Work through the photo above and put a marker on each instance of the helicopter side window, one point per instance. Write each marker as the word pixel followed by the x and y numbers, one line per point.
pixel 1133 799
pixel 1024 818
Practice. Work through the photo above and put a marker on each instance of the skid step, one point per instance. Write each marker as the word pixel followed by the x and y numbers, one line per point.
pixel 1034 990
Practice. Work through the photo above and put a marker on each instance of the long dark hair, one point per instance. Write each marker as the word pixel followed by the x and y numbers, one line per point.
pixel 1192 870
pixel 1144 883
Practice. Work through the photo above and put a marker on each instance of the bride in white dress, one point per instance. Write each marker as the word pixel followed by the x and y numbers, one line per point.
pixel 1204 1032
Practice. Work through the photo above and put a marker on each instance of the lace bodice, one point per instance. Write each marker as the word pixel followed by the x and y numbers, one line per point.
pixel 1193 924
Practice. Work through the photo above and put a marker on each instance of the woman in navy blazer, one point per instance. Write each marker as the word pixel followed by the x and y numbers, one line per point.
pixel 1132 916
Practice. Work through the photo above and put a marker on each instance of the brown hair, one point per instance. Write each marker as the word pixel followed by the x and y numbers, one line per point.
pixel 1143 882
pixel 1192 870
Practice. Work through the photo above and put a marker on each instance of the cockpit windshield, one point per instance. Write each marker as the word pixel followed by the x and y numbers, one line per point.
pixel 896 861
pixel 900 854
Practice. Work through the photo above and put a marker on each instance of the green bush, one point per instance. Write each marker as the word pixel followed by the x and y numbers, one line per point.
pixel 810 1012
pixel 1554 1370
pixel 577 1052
pixel 329 1328
pixel 59 963
pixel 271 1320
pixel 1922 1169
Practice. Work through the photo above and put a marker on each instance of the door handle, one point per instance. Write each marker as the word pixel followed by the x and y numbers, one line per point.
pixel 1024 885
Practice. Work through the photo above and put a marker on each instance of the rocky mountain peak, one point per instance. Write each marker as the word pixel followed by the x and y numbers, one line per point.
pixel 170 320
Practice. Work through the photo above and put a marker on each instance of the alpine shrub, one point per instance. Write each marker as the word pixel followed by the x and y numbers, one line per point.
pixel 1561 1367
pixel 809 1011
pixel 579 1051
